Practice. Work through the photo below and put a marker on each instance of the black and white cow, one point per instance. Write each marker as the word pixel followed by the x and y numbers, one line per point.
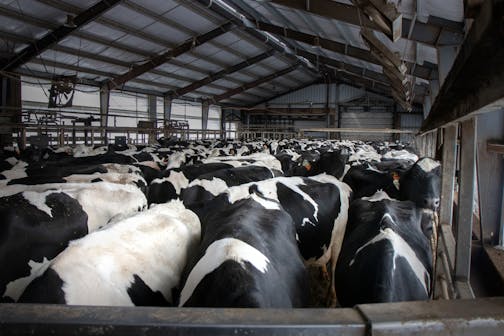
pixel 247 258
pixel 386 254
pixel 209 185
pixel 173 181
pixel 136 261
pixel 39 223
pixel 317 204
pixel 422 184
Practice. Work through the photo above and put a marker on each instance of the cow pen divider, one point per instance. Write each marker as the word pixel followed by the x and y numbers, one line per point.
pixel 468 317
pixel 62 135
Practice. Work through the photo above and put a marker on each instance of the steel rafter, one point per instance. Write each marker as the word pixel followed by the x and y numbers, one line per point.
pixel 240 89
pixel 58 34
pixel 420 71
pixel 165 57
pixel 218 75
pixel 435 32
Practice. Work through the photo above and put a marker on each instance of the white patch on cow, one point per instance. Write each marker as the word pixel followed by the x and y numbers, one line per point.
pixel 428 164
pixel 307 221
pixel 401 249
pixel 378 196
pixel 215 186
pixel 15 288
pixel 121 169
pixel 151 164
pixel 345 171
pixel 176 160
pixel 400 155
pixel 177 180
pixel 217 253
pixel 12 160
pixel 17 171
pixel 38 200
pixel 267 204
pixel 98 269
pixel 101 200
pixel 120 178
pixel 104 200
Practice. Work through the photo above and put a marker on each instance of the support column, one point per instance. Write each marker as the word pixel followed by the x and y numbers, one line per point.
pixel 465 208
pixel 104 111
pixel 205 107
pixel 448 177
pixel 396 122
pixel 152 113
pixel 167 108
pixel 10 104
pixel 223 124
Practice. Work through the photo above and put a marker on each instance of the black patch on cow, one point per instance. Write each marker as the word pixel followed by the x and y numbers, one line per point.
pixel 96 180
pixel 371 278
pixel 28 233
pixel 34 180
pixel 159 193
pixel 48 288
pixel 142 295
pixel 272 232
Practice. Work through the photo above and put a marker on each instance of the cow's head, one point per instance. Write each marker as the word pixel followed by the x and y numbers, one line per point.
pixel 422 184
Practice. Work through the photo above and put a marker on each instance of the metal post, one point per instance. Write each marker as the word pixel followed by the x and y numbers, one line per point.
pixel 104 111
pixel 448 177
pixel 152 113
pixel 465 204
pixel 205 107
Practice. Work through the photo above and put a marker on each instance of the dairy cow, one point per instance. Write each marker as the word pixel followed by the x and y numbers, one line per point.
pixel 39 223
pixel 247 258
pixel 318 205
pixel 386 255
pixel 136 261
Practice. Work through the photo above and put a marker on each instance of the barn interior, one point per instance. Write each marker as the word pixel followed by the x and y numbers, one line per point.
pixel 420 72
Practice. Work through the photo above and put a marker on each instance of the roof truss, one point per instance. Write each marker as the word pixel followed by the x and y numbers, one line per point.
pixel 37 47
pixel 435 32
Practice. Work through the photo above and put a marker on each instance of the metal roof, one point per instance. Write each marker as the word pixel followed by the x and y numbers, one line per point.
pixel 160 46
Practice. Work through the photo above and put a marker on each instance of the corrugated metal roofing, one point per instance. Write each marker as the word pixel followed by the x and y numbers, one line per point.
pixel 134 31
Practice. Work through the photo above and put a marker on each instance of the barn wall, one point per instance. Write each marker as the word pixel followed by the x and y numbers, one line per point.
pixel 410 122
pixel 315 96
pixel 372 117
pixel 126 109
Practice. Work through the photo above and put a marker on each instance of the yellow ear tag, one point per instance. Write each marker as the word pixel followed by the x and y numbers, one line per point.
pixel 307 165
pixel 396 178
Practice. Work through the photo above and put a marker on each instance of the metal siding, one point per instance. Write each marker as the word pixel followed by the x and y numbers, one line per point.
pixel 375 117
pixel 410 122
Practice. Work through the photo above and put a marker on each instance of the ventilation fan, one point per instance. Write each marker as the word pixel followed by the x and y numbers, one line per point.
pixel 62 91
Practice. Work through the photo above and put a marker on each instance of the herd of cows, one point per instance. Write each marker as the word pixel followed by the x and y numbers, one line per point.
pixel 216 223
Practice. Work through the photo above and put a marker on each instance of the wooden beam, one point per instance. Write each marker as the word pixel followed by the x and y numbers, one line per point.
pixel 435 32
pixel 218 75
pixel 250 85
pixel 476 77
pixel 421 71
pixel 58 34
pixel 384 15
pixel 165 57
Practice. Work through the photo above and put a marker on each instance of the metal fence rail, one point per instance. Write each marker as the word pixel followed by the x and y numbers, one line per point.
pixel 468 317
